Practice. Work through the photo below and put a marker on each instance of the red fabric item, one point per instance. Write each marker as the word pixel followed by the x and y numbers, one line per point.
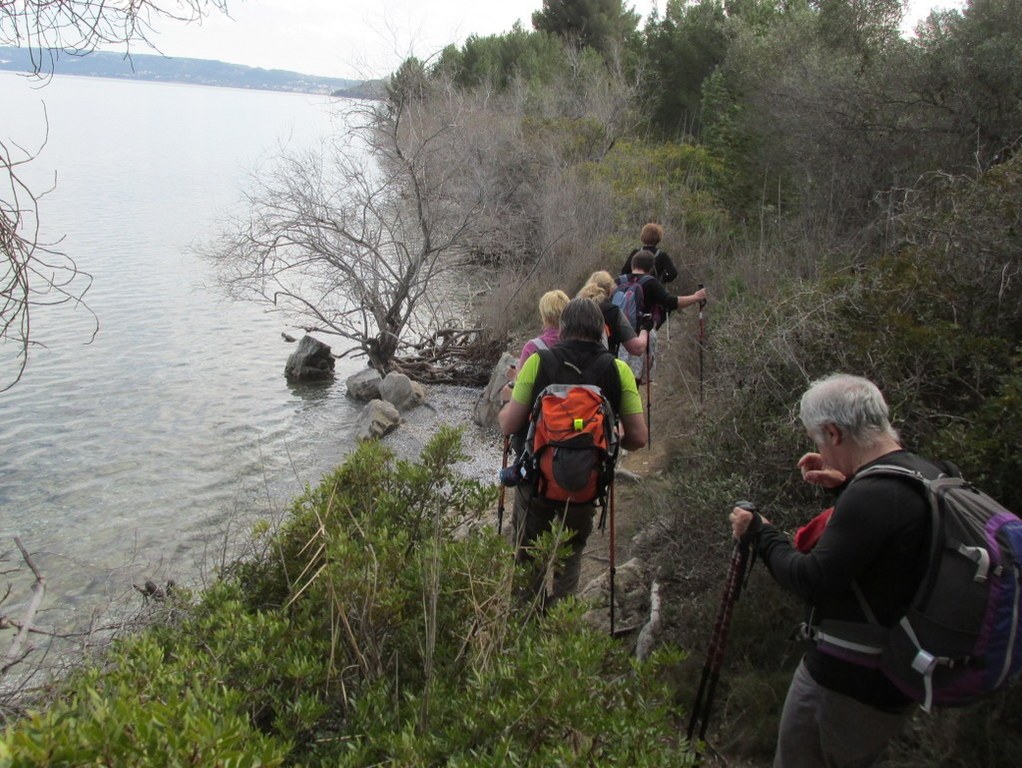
pixel 810 533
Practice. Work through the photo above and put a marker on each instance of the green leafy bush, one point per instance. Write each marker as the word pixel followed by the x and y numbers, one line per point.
pixel 380 627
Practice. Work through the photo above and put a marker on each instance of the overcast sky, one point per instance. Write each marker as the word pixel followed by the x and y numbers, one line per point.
pixel 357 39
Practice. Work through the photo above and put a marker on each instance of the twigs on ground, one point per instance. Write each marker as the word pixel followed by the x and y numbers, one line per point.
pixel 451 356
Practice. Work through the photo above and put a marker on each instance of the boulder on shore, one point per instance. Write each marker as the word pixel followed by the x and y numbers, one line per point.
pixel 377 419
pixel 364 385
pixel 402 392
pixel 312 361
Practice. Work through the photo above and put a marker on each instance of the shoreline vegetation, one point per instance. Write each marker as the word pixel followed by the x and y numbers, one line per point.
pixel 848 196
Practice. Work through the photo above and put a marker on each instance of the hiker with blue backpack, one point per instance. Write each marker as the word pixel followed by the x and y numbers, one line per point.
pixel 645 302
pixel 663 268
pixel 570 400
pixel 619 331
pixel 903 581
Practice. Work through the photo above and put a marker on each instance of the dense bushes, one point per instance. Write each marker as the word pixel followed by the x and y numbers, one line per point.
pixel 936 324
pixel 379 627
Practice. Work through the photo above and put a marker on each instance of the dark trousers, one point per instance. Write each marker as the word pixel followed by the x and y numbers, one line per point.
pixel 532 517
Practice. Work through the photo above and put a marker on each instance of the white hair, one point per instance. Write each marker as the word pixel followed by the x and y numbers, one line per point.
pixel 852 403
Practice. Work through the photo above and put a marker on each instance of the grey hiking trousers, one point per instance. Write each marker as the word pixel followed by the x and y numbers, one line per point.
pixel 824 729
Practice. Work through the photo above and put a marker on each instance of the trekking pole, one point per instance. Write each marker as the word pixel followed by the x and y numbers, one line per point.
pixel 649 402
pixel 503 488
pixel 737 573
pixel 613 547
pixel 702 343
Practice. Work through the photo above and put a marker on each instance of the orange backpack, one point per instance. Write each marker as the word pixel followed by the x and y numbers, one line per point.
pixel 572 439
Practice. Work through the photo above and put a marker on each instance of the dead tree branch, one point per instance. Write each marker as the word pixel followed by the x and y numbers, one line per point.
pixel 19 650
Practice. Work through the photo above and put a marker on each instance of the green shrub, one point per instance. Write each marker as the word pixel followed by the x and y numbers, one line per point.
pixel 381 626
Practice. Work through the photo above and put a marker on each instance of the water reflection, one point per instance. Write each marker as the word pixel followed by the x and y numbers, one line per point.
pixel 314 392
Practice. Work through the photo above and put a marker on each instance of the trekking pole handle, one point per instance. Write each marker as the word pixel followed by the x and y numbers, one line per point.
pixel 743 549
pixel 702 302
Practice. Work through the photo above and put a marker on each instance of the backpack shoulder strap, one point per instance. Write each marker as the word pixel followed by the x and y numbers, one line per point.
pixel 597 369
pixel 549 363
pixel 539 344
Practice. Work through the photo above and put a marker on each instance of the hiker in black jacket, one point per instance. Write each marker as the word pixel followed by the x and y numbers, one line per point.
pixel 839 713
pixel 580 347
pixel 663 268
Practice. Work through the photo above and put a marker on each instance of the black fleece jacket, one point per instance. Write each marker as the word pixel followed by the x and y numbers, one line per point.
pixel 877 537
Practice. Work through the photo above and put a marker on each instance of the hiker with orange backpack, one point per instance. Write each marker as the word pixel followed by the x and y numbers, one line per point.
pixel 568 459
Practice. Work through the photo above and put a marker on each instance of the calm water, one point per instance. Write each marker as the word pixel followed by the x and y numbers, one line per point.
pixel 120 460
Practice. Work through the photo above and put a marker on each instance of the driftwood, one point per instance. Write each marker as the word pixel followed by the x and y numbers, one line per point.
pixel 451 356
pixel 19 650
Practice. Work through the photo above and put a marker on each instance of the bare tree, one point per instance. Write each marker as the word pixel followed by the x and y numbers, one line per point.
pixel 33 274
pixel 349 241
pixel 36 275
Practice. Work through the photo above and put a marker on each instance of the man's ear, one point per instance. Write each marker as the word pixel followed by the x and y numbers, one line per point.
pixel 833 434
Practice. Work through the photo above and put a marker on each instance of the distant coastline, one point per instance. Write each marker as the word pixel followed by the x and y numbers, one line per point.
pixel 149 67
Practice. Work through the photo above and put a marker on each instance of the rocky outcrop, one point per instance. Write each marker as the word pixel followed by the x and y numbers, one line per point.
pixel 312 361
pixel 488 405
pixel 631 598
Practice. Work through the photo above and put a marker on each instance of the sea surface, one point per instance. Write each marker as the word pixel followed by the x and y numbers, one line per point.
pixel 132 454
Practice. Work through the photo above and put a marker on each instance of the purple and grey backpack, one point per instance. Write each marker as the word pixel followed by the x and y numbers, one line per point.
pixel 960 637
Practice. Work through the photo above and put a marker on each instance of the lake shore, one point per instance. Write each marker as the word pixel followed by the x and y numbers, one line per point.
pixel 449 405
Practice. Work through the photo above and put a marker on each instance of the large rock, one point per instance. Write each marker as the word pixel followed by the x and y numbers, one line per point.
pixel 312 361
pixel 488 405
pixel 364 385
pixel 631 598
pixel 377 419
pixel 404 393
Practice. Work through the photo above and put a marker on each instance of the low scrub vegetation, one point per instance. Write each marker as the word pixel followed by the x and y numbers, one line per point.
pixel 380 626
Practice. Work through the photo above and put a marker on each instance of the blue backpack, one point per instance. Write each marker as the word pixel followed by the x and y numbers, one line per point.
pixel 961 636
pixel 630 298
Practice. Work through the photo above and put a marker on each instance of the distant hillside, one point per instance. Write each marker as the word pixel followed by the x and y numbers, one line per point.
pixel 175 70
pixel 368 89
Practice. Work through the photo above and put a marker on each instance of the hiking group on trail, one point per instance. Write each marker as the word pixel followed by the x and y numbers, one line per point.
pixel 912 578
pixel 572 401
